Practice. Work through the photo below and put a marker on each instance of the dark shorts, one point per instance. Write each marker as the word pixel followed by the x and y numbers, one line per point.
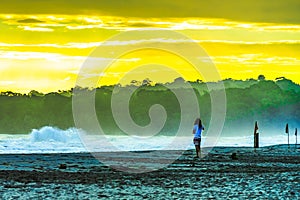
pixel 197 141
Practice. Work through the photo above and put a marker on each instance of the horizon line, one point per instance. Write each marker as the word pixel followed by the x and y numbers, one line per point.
pixel 139 84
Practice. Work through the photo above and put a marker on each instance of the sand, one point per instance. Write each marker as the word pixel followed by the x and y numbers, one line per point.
pixel 266 173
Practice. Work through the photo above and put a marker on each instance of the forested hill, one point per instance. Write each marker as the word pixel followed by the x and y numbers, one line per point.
pixel 272 103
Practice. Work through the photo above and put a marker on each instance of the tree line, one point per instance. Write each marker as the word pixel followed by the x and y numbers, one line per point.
pixel 272 103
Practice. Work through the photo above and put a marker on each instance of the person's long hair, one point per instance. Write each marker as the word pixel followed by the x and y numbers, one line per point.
pixel 200 124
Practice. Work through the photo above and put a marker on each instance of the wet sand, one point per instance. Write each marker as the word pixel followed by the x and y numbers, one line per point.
pixel 225 172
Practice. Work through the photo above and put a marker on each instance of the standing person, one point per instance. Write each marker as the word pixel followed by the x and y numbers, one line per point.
pixel 197 131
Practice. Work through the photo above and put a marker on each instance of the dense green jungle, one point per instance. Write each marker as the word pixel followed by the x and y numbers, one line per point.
pixel 271 103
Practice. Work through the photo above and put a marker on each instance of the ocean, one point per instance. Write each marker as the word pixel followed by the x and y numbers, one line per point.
pixel 53 140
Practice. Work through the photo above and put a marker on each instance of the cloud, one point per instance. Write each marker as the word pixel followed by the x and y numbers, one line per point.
pixel 56 57
pixel 51 23
pixel 88 45
pixel 270 42
pixel 256 60
pixel 6 83
pixel 276 11
pixel 77 27
pixel 29 55
pixel 38 29
pixel 30 20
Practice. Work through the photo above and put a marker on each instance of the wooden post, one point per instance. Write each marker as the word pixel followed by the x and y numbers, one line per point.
pixel 257 140
pixel 287 131
pixel 256 136
pixel 289 140
pixel 296 134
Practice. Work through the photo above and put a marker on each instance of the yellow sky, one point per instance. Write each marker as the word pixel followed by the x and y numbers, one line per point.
pixel 45 52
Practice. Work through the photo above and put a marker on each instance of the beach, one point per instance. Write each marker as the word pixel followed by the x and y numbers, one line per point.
pixel 271 172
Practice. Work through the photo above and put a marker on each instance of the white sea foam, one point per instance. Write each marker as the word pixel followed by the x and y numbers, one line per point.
pixel 50 134
pixel 54 140
pixel 45 140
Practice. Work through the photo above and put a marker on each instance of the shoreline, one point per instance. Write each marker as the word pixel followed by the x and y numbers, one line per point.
pixel 212 148
pixel 267 172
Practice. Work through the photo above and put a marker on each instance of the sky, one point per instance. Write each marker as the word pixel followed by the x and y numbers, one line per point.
pixel 44 43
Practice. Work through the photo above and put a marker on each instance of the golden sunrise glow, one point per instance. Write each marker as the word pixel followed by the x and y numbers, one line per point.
pixel 45 52
pixel 157 65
